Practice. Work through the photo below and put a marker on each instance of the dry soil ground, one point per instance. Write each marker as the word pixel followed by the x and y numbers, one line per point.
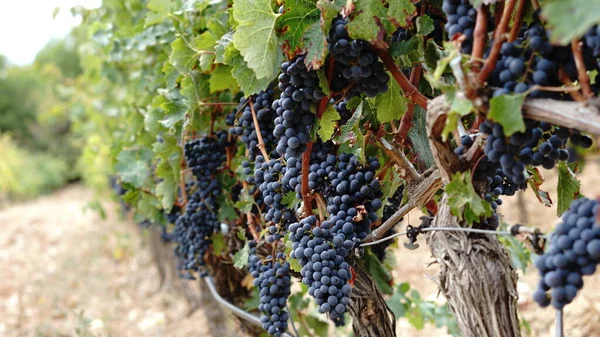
pixel 67 272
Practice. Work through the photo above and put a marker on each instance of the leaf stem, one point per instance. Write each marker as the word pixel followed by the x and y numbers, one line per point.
pixel 261 143
pixel 305 191
pixel 582 77
pixel 562 75
pixel 499 37
pixel 409 89
pixel 518 20
pixel 479 34
pixel 407 120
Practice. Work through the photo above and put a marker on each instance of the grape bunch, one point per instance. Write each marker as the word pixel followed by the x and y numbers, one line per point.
pixel 194 228
pixel 574 252
pixel 206 154
pixel 541 144
pixel 269 177
pixel 353 197
pixel 265 116
pixel 272 279
pixel 461 18
pixel 497 182
pixel 324 268
pixel 299 89
pixel 199 221
pixel 355 63
pixel 533 60
pixel 592 41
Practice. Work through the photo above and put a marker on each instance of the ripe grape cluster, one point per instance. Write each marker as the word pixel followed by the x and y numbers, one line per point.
pixel 194 228
pixel 497 182
pixel 353 198
pixel 355 63
pixel 199 221
pixel 272 279
pixel 299 89
pixel 265 116
pixel 574 252
pixel 461 18
pixel 592 41
pixel 541 144
pixel 206 154
pixel 532 59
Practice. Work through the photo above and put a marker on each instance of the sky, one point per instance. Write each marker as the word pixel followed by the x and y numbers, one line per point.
pixel 27 25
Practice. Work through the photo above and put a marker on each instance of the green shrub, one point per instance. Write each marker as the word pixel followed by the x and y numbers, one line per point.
pixel 25 174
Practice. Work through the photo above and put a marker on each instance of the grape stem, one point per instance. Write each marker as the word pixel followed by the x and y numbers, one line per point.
pixel 321 206
pixel 407 120
pixel 584 81
pixel 249 216
pixel 499 37
pixel 562 75
pixel 518 20
pixel 409 89
pixel 480 34
pixel 400 158
pixel 535 4
pixel 306 199
pixel 261 143
pixel 216 103
pixel 418 196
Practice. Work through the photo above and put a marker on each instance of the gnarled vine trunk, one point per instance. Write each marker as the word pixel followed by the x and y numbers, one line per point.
pixel 475 271
pixel 370 314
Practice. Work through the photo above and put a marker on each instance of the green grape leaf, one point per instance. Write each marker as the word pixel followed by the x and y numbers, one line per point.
pixel 570 19
pixel 169 154
pixel 223 44
pixel 158 11
pixel 245 76
pixel 218 243
pixel 400 12
pixel 194 89
pixel 132 168
pixel 148 208
pixel 182 56
pixel 297 18
pixel 567 189
pixel 171 75
pixel 175 112
pixel 506 111
pixel 320 328
pixel 459 106
pixel 316 46
pixel 464 202
pixel 240 258
pixel 289 199
pixel 256 38
pixel 364 24
pixel 418 137
pixel 425 25
pixel 390 105
pixel 222 79
pixel 519 254
pixel 347 130
pixel 328 123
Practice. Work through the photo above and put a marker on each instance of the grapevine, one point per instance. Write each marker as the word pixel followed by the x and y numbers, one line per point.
pixel 282 145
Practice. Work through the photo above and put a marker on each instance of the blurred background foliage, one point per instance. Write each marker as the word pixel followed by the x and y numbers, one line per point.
pixel 40 151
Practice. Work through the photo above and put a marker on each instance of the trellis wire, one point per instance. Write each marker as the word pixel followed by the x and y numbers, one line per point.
pixel 442 229
pixel 235 310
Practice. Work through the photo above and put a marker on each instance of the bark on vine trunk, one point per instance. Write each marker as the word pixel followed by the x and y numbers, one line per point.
pixel 371 316
pixel 476 275
pixel 477 279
